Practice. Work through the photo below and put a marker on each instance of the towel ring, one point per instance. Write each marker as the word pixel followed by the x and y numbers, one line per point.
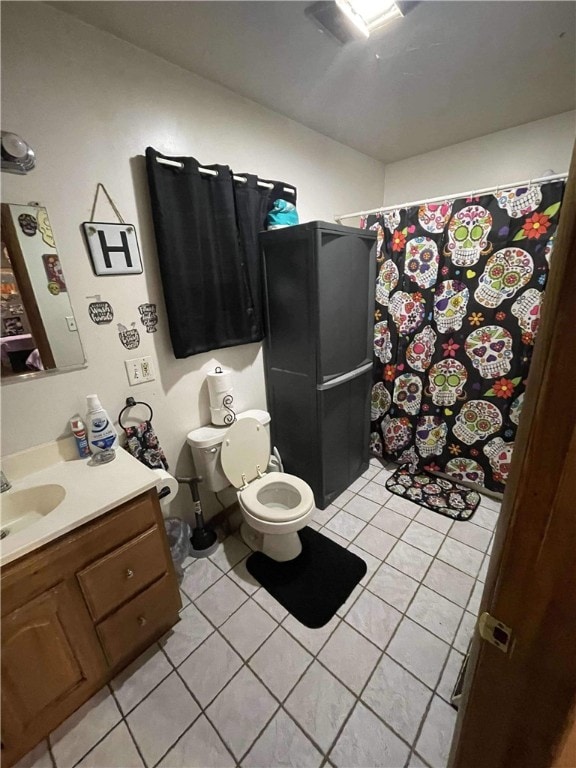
pixel 130 403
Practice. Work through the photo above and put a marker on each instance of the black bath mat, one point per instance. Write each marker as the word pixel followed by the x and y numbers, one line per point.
pixel 435 493
pixel 316 583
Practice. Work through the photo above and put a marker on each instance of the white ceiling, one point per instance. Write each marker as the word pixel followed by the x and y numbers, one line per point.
pixel 447 72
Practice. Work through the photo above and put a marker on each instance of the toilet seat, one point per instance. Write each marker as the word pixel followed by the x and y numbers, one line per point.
pixel 245 452
pixel 277 498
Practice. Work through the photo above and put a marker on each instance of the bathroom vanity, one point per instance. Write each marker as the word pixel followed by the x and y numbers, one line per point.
pixel 79 608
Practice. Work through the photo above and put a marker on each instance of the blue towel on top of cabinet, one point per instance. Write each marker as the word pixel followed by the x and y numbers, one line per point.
pixel 283 214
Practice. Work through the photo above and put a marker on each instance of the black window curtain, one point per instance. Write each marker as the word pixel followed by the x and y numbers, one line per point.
pixel 206 229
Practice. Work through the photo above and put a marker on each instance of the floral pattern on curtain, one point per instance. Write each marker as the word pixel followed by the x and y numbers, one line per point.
pixel 458 299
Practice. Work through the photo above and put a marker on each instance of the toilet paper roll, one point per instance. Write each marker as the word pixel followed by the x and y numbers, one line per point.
pixel 166 486
pixel 221 396
pixel 219 384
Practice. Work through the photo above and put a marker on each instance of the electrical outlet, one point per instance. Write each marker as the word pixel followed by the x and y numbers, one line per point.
pixel 71 322
pixel 139 370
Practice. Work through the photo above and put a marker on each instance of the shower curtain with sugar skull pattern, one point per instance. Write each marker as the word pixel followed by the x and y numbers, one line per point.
pixel 458 299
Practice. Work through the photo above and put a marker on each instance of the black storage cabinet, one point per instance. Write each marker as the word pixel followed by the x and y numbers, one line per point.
pixel 319 299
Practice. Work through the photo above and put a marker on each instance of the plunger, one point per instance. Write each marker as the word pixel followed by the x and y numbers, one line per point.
pixel 204 541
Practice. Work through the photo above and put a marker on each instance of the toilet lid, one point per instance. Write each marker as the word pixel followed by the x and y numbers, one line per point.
pixel 245 447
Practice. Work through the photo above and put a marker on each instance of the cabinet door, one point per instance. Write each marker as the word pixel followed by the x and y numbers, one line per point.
pixel 51 662
pixel 346 279
pixel 344 434
pixel 290 305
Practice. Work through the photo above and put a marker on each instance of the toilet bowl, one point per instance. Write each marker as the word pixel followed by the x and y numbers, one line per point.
pixel 275 506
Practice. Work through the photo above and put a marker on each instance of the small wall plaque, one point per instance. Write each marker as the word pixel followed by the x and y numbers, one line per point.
pixel 129 337
pixel 113 248
pixel 101 312
pixel 148 317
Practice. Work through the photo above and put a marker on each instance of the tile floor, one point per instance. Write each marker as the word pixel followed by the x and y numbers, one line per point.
pixel 239 682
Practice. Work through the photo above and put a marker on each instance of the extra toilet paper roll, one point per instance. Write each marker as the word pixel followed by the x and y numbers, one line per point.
pixel 220 391
pixel 166 486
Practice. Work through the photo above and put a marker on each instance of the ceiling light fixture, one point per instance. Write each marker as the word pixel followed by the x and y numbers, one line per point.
pixel 348 20
pixel 369 15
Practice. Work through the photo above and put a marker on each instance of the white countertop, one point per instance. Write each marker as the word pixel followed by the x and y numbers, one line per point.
pixel 91 491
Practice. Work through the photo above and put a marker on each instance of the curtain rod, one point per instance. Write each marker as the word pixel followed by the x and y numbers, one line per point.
pixel 210 172
pixel 442 198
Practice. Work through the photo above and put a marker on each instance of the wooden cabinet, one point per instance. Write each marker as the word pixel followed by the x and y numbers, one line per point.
pixel 77 611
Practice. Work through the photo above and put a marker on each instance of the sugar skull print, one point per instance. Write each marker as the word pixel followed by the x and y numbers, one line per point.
pixel 434 216
pixel 516 409
pixel 477 420
pixel 407 310
pixel 422 261
pixel 382 342
pixel 499 454
pixel 526 309
pixel 421 348
pixel 519 201
pixel 446 381
pixel 386 282
pixel 392 219
pixel 505 273
pixel 450 305
pixel 465 469
pixel 410 457
pixel 379 238
pixel 408 393
pixel 397 433
pixel 468 232
pixel 376 444
pixel 490 350
pixel 430 435
pixel 549 249
pixel 380 402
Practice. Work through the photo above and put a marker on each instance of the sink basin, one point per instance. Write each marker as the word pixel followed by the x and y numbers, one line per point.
pixel 20 509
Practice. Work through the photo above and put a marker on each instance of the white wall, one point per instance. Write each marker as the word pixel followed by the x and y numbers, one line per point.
pixel 89 104
pixel 515 154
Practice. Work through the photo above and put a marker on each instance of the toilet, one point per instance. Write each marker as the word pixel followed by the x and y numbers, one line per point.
pixel 275 506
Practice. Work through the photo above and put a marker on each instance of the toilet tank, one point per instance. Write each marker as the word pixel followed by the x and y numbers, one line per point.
pixel 206 443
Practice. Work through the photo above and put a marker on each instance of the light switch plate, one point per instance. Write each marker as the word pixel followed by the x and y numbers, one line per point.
pixel 71 322
pixel 139 370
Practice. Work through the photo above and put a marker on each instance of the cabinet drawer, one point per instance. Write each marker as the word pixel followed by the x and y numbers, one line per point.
pixel 135 624
pixel 122 573
pixel 33 574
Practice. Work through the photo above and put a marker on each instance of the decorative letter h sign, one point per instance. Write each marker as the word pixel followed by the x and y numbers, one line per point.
pixel 113 248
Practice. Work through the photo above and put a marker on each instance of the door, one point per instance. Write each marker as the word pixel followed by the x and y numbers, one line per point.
pixel 519 706
pixel 51 660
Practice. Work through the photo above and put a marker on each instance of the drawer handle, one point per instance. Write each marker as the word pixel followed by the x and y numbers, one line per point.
pixel 129 573
pixel 142 620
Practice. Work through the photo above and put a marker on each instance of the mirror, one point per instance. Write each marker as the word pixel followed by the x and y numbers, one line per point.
pixel 38 330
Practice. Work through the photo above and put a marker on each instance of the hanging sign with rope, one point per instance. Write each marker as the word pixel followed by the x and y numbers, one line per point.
pixel 113 247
